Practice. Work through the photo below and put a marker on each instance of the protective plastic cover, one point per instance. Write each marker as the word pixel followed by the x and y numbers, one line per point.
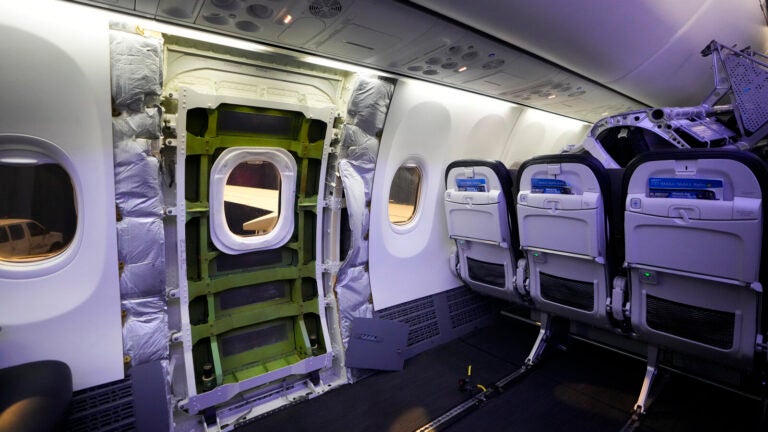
pixel 359 149
pixel 137 68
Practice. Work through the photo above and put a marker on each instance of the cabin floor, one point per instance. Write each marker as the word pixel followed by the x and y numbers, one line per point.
pixel 578 387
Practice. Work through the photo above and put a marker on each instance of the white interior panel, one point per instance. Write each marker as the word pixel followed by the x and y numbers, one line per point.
pixel 57 89
pixel 430 126
pixel 538 133
pixel 599 39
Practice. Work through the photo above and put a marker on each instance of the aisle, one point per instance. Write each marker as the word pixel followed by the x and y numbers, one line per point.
pixel 580 387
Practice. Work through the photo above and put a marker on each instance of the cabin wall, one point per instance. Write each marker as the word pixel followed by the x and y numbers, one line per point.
pixel 56 109
pixel 429 126
pixel 538 132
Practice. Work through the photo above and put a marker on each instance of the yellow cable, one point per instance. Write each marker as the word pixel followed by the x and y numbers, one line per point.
pixel 481 387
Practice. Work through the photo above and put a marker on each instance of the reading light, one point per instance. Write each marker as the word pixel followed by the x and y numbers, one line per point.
pixel 461 69
pixel 287 19
pixel 552 96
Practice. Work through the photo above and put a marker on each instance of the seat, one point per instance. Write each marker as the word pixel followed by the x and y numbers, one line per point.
pixel 478 201
pixel 35 396
pixel 562 221
pixel 694 230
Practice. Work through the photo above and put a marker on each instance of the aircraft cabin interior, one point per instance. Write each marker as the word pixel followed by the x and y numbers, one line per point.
pixel 383 215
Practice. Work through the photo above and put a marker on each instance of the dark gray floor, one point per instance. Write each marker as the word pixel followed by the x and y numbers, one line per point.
pixel 578 388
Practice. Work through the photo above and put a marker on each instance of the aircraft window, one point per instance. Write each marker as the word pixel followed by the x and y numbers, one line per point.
pixel 252 198
pixel 37 207
pixel 404 194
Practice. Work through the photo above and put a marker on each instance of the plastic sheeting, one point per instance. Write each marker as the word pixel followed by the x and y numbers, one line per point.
pixel 137 70
pixel 141 249
pixel 368 105
pixel 137 187
pixel 145 330
pixel 136 82
pixel 146 123
pixel 359 148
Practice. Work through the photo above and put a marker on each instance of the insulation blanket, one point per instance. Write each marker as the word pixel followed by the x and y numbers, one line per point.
pixel 353 291
pixel 136 69
pixel 141 250
pixel 137 186
pixel 145 330
pixel 357 193
pixel 146 123
pixel 368 105
pixel 359 148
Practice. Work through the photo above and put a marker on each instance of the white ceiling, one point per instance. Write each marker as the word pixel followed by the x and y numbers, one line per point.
pixel 646 49
pixel 591 58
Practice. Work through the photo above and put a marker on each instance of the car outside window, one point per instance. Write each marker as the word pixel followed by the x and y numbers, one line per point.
pixel 17 232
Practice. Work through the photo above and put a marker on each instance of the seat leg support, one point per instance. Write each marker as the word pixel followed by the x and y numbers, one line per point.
pixel 539 347
pixel 650 373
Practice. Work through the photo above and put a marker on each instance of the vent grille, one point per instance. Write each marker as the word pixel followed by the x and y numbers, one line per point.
pixel 421 317
pixel 567 292
pixel 465 308
pixel 439 318
pixel 423 333
pixel 325 8
pixel 707 326
pixel 399 312
pixel 105 408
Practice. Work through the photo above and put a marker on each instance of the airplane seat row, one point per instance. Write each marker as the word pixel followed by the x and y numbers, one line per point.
pixel 480 214
pixel 563 202
pixel 694 230
pixel 666 250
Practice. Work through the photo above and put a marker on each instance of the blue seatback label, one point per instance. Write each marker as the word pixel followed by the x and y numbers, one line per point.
pixel 471 185
pixel 550 186
pixel 686 188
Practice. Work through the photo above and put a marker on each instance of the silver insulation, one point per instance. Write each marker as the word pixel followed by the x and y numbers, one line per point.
pixel 357 160
pixel 136 83
pixel 137 69
pixel 145 330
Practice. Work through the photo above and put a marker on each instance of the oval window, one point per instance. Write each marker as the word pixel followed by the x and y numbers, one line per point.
pixel 252 198
pixel 37 207
pixel 404 194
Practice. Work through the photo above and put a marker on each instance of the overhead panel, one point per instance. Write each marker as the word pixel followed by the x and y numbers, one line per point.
pixel 400 38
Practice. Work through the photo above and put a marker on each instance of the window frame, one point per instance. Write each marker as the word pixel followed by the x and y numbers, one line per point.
pixel 231 243
pixel 412 220
pixel 21 150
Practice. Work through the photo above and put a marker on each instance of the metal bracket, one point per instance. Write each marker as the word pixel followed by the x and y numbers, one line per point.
pixel 650 373
pixel 332 203
pixel 330 266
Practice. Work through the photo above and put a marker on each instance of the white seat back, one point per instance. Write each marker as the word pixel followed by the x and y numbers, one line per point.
pixel 562 226
pixel 476 207
pixel 693 233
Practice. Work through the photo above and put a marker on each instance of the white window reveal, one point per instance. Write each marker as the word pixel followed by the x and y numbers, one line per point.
pixel 252 199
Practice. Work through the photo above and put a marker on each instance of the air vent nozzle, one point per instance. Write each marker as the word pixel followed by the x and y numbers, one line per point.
pixel 325 8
